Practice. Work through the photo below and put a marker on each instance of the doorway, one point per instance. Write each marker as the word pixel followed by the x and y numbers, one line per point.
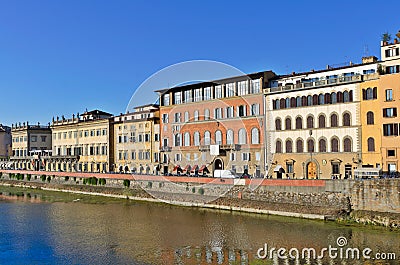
pixel 311 170
pixel 218 164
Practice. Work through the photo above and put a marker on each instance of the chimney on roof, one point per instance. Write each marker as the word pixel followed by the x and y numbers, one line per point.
pixel 369 59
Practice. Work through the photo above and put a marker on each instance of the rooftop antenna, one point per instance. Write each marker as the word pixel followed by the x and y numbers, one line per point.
pixel 366 51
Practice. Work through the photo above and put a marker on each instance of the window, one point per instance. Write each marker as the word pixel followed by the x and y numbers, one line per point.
pixel 43 138
pixel 299 123
pixel 298 102
pixel 389 94
pixel 370 93
pixel 177 117
pixel 321 121
pixel 166 99
pixel 392 52
pixel 178 157
pixel 177 97
pixel 289 146
pixel 309 100
pixel 334 145
pixel 207 93
pixel 278 147
pixel 346 96
pixel 347 145
pixel 255 136
pixel 177 139
pixel 196 138
pixel 229 137
pixel 196 115
pixel 218 113
pixel 255 86
pixel 278 124
pixel 186 116
pixel 255 109
pixel 206 114
pixel 188 96
pixel 218 91
pixel 232 157
pixel 242 136
pixel 322 145
pixel 230 90
pixel 207 138
pixel 370 117
pixel 186 139
pixel 165 118
pixel 391 152
pixel 218 137
pixel 245 156
pixel 33 139
pixel 335 168
pixel 389 112
pixel 321 99
pixel 229 112
pixel 371 144
pixel 346 119
pixel 310 122
pixel 289 167
pixel 241 111
pixel 299 146
pixel 277 104
pixel 310 145
pixel 287 103
pixel 334 120
pixel 197 95
pixel 242 88
pixel 391 129
pixel 333 98
pixel 288 123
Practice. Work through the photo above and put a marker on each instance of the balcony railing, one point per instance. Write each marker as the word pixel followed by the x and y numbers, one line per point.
pixel 319 83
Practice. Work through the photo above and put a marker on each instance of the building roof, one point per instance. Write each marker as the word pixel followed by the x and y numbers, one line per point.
pixel 96 112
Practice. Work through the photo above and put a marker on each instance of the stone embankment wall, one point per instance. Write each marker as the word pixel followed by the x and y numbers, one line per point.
pixel 329 198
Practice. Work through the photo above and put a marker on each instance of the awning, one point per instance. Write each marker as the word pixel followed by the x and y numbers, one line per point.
pixel 203 168
pixel 186 168
pixel 194 168
pixel 278 168
pixel 177 168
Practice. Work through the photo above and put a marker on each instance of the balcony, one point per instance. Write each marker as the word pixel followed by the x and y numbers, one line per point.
pixel 315 84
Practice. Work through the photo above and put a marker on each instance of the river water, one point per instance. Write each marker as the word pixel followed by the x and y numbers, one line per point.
pixel 39 227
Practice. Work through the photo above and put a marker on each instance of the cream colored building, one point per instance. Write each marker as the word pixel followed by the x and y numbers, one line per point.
pixel 30 143
pixel 136 140
pixel 81 143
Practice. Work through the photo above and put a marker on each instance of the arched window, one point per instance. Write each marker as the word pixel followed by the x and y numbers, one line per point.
pixel 186 116
pixel 321 99
pixel 298 102
pixel 310 122
pixel 299 123
pixel 218 137
pixel 278 146
pixel 309 100
pixel 288 123
pixel 369 94
pixel 242 136
pixel 333 98
pixel 186 139
pixel 177 139
pixel 370 117
pixel 255 136
pixel 207 138
pixel 277 104
pixel 278 124
pixel 196 115
pixel 340 97
pixel 282 103
pixel 292 102
pixel 299 146
pixel 334 120
pixel 371 144
pixel 229 137
pixel 289 146
pixel 287 103
pixel 334 145
pixel 346 119
pixel 347 144
pixel 206 114
pixel 310 145
pixel 321 121
pixel 346 96
pixel 196 138
pixel 322 145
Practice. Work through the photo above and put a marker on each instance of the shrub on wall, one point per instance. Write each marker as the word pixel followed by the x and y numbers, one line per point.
pixel 66 178
pixel 149 184
pixel 193 189
pixel 28 177
pixel 43 178
pixel 201 191
pixel 102 181
pixel 48 179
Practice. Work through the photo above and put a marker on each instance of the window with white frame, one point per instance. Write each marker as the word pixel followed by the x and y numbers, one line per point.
pixel 255 109
pixel 207 138
pixel 178 157
pixel 165 118
pixel 196 115
pixel 196 138
pixel 197 95
pixel 177 117
pixel 218 91
pixel 241 111
pixel 245 156
pixel 218 137
pixel 230 90
pixel 255 86
pixel 207 93
pixel 186 116
pixel 242 88
pixel 229 137
pixel 177 139
pixel 242 136
pixel 188 157
pixel 188 96
pixel 178 97
pixel 232 157
pixel 166 99
pixel 255 136
pixel 186 139
pixel 229 112
pixel 206 114
pixel 218 113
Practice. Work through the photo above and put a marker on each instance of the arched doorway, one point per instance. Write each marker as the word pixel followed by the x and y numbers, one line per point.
pixel 218 164
pixel 311 170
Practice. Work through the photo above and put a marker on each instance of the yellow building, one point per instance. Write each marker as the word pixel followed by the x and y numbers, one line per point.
pixel 136 140
pixel 81 143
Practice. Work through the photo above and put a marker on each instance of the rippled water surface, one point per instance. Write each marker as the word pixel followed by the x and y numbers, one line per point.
pixel 39 227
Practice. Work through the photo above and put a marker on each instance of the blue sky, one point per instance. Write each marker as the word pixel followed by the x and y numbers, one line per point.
pixel 61 57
